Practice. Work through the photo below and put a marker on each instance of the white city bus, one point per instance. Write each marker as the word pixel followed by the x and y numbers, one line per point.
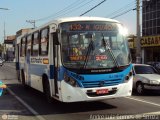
pixel 76 59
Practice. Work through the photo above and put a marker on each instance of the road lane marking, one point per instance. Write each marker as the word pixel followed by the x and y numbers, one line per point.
pixel 153 113
pixel 140 100
pixel 26 105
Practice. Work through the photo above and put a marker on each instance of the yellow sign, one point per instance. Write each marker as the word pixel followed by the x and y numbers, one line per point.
pixel 45 61
pixel 131 44
pixel 150 41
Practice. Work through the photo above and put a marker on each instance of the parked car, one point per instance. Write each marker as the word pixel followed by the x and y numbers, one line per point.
pixel 145 77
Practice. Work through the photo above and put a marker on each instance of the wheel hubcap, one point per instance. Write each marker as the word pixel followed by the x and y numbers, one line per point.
pixel 139 88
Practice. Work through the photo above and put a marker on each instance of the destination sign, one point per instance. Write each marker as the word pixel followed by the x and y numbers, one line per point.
pixel 92 27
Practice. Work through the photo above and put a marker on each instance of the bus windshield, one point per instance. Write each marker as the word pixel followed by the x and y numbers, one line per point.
pixel 93 45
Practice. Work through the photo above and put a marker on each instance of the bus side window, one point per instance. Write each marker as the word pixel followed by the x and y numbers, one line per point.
pixel 29 38
pixel 44 42
pixel 35 44
pixel 23 47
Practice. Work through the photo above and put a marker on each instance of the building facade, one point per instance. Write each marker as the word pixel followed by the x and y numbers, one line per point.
pixel 150 42
pixel 9 44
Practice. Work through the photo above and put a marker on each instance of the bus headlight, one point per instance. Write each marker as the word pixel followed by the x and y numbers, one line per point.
pixel 127 77
pixel 70 80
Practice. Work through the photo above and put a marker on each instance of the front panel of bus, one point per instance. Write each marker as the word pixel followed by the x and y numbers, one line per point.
pixel 95 61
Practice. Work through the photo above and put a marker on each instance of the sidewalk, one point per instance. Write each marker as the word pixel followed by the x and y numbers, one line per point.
pixel 10 64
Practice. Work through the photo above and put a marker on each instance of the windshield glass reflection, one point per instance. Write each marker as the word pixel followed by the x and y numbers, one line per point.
pixel 92 48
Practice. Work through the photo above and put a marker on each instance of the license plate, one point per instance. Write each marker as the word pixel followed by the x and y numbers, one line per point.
pixel 102 91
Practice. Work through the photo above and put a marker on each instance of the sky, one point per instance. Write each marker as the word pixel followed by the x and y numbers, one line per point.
pixel 44 11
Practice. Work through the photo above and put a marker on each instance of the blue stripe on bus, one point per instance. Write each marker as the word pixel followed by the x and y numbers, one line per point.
pixel 51 71
pixel 93 80
pixel 61 73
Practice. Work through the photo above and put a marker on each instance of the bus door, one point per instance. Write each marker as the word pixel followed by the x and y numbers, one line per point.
pixel 17 61
pixel 27 61
pixel 27 68
pixel 56 60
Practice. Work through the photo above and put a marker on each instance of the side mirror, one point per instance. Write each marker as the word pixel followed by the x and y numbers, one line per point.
pixel 134 73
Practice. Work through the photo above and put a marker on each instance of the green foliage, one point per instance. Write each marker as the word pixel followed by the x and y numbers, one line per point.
pixel 1 48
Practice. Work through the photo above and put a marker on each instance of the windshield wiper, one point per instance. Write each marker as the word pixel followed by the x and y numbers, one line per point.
pixel 109 49
pixel 91 47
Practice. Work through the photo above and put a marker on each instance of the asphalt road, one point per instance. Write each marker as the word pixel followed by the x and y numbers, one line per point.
pixel 32 104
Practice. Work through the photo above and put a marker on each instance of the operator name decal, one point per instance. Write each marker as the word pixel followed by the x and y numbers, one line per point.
pixel 104 70
pixel 36 60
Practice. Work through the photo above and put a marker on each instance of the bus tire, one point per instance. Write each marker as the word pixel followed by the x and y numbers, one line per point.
pixel 46 89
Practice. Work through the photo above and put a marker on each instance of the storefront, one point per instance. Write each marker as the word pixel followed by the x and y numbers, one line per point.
pixel 150 46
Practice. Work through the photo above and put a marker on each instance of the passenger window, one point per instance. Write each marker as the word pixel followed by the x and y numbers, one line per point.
pixel 23 47
pixel 44 42
pixel 35 44
pixel 29 38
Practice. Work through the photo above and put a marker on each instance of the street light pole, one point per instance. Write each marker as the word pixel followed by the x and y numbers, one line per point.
pixel 4 50
pixel 138 46
pixel 4 8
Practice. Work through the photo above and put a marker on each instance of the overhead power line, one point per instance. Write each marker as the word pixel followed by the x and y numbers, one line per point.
pixel 62 10
pixel 77 8
pixel 122 9
pixel 69 9
pixel 123 13
pixel 32 22
pixel 93 8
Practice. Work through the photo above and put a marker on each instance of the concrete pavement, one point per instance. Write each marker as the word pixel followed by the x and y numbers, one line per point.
pixel 11 109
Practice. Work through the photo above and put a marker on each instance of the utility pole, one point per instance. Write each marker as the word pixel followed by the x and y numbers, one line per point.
pixel 138 46
pixel 33 22
pixel 4 50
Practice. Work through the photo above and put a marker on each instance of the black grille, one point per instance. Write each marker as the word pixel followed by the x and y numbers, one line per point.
pixel 92 84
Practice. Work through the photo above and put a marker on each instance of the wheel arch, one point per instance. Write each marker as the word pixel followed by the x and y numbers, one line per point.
pixel 45 80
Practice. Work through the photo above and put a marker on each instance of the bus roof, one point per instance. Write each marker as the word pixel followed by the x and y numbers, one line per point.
pixel 70 19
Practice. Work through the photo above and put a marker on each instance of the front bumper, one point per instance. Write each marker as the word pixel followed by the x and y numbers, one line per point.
pixel 75 94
